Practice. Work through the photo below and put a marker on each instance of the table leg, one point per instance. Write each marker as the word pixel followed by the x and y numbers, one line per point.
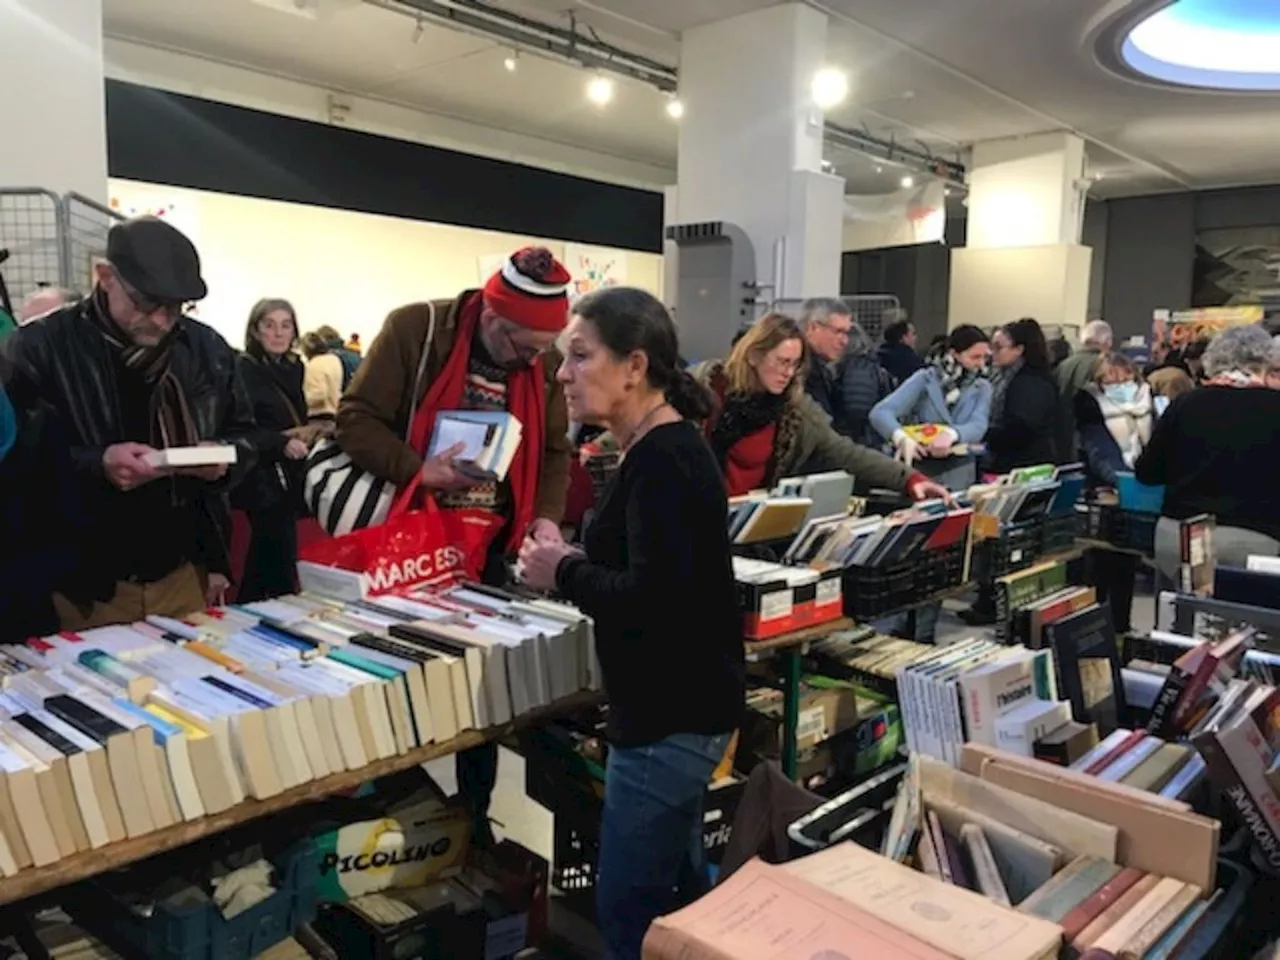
pixel 790 709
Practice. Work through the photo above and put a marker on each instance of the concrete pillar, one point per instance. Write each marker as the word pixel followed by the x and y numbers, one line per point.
pixel 53 113
pixel 751 148
pixel 1023 256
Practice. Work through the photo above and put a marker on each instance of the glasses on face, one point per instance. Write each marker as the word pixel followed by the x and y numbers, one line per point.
pixel 146 305
pixel 842 333
pixel 783 364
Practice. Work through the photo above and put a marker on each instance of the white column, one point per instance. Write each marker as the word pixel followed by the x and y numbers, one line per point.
pixel 751 145
pixel 53 112
pixel 1023 256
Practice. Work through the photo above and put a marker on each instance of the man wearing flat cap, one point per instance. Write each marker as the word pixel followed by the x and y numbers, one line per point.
pixel 489 349
pixel 129 374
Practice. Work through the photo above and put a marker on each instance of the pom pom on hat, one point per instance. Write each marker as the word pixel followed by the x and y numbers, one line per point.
pixel 531 289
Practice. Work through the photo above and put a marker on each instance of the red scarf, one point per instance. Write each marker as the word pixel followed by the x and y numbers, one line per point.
pixel 526 401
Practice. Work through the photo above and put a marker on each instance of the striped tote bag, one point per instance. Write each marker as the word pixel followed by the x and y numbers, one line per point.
pixel 342 496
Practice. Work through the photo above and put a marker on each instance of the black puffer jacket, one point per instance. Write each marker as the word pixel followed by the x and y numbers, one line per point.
pixel 64 361
pixel 278 405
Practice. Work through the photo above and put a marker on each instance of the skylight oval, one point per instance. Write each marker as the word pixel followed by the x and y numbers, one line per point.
pixel 1218 44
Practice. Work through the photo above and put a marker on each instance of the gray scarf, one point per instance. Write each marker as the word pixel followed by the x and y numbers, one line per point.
pixel 1000 386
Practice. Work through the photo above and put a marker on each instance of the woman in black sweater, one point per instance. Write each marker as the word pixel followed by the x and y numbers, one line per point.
pixel 1024 402
pixel 270 492
pixel 657 578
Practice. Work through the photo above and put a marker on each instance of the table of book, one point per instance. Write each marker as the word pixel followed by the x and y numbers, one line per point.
pixel 36 880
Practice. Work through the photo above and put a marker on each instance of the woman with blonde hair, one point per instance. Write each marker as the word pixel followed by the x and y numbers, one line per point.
pixel 765 426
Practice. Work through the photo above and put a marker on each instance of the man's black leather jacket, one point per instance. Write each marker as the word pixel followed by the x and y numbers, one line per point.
pixel 64 361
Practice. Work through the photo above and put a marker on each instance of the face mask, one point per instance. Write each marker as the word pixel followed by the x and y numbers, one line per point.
pixel 1121 392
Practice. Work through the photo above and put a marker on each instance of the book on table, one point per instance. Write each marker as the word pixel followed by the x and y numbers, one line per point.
pixel 489 441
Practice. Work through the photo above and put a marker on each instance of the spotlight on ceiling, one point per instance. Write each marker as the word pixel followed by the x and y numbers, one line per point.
pixel 829 88
pixel 675 108
pixel 419 28
pixel 907 182
pixel 600 90
pixel 512 61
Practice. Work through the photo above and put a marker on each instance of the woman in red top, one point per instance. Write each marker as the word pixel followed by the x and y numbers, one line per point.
pixel 768 428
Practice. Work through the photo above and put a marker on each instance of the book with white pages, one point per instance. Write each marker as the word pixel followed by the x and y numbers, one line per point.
pixel 371 697
pixel 291 747
pixel 212 767
pixel 208 455
pixel 527 638
pixel 21 771
pixel 217 723
pixel 581 636
pixel 53 782
pixel 382 650
pixel 437 634
pixel 394 686
pixel 488 439
pixel 155 779
pixel 172 741
pixel 254 750
pixel 437 669
pixel 453 659
pixel 341 710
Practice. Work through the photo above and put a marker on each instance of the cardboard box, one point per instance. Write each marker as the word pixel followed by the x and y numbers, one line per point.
pixel 416 846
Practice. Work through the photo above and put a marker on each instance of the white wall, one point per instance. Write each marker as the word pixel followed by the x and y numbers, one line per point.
pixel 52 110
pixel 337 267
pixel 1023 193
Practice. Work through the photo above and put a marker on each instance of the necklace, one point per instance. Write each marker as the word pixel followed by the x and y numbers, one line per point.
pixel 638 432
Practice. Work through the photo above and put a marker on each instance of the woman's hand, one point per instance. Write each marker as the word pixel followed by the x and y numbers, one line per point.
pixel 539 561
pixel 295 449
pixel 926 489
pixel 907 450
pixel 941 445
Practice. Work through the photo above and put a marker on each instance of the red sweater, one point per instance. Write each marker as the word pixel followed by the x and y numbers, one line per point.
pixel 748 461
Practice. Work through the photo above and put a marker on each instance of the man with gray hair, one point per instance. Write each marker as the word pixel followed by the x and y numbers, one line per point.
pixel 1073 374
pixel 844 377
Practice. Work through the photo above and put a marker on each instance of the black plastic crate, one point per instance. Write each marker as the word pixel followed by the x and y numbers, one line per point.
pixel 562 780
pixel 1059 533
pixel 871 592
pixel 575 859
pixel 1017 547
pixel 1131 530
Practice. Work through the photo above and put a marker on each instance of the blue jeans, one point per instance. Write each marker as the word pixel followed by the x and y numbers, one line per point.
pixel 651 853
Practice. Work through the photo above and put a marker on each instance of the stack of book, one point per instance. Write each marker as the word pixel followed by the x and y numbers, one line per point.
pixel 1049 844
pixel 486 441
pixel 1138 759
pixel 1195 683
pixel 120 731
pixel 876 541
pixel 1030 599
pixel 981 691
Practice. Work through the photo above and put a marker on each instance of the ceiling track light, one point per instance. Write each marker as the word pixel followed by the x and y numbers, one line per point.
pixel 675 108
pixel 829 88
pixel 511 62
pixel 419 28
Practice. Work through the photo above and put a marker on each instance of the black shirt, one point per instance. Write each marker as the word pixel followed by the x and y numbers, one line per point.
pixel 1215 450
pixel 658 581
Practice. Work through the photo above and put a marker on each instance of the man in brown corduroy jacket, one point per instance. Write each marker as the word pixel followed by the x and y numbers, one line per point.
pixel 490 349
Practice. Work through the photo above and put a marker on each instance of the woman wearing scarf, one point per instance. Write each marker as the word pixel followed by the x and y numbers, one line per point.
pixel 1024 420
pixel 270 494
pixel 1113 414
pixel 767 428
pixel 42 522
pixel 1213 451
pixel 1024 400
pixel 953 394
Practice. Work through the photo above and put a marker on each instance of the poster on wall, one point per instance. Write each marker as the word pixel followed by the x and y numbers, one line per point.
pixel 1237 265
pixel 594 268
pixel 1180 328
pixel 139 200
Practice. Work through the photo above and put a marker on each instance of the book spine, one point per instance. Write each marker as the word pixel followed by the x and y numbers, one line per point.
pixel 1165 708
pixel 1223 774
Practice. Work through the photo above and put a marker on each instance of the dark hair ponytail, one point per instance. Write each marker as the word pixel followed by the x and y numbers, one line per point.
pixel 690 398
pixel 629 319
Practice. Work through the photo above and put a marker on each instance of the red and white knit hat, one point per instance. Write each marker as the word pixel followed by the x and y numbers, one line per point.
pixel 531 289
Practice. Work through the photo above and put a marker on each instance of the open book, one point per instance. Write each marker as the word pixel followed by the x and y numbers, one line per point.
pixel 489 441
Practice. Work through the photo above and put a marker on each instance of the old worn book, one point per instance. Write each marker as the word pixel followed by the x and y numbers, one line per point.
pixel 1158 769
pixel 964 924
pixel 763 912
pixel 1155 928
pixel 986 873
pixel 1112 914
pixel 1144 911
pixel 1025 862
pixel 1073 885
pixel 1103 897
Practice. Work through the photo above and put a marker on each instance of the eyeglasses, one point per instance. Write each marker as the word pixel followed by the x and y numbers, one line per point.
pixel 785 364
pixel 146 305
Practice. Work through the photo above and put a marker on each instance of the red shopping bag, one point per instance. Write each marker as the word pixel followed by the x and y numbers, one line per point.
pixel 423 547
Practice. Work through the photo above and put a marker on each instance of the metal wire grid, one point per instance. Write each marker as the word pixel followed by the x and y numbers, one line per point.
pixel 874 312
pixel 31 230
pixel 86 224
